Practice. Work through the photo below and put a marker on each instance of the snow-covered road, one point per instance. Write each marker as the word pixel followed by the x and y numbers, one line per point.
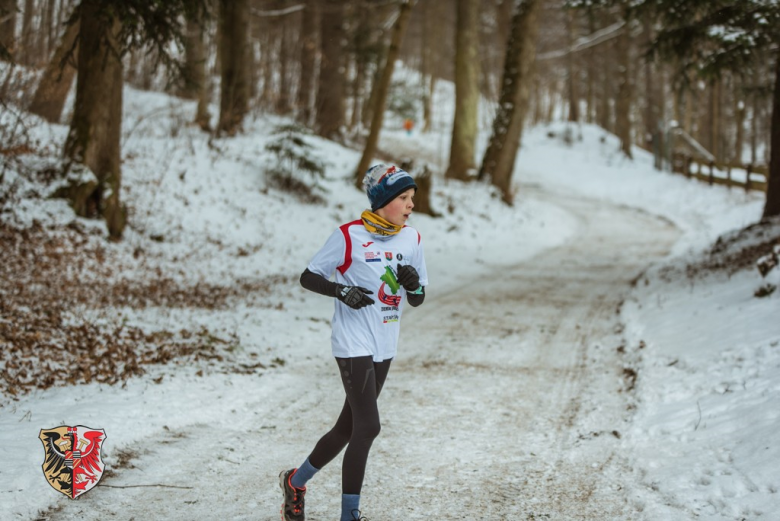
pixel 507 401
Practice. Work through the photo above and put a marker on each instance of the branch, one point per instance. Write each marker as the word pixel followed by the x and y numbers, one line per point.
pixel 586 42
pixel 278 12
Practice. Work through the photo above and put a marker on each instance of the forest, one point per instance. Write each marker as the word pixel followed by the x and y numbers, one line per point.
pixel 598 203
pixel 691 81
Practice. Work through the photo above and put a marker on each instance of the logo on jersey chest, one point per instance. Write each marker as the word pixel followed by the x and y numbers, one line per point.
pixel 373 256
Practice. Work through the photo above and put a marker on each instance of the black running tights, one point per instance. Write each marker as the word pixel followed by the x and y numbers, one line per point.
pixel 358 423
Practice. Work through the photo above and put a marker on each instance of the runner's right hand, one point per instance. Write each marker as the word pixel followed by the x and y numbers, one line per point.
pixel 354 296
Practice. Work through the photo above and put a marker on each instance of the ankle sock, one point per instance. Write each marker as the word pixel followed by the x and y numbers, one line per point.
pixel 304 473
pixel 349 504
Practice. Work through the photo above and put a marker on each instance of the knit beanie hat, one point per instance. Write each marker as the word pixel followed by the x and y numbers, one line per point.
pixel 383 183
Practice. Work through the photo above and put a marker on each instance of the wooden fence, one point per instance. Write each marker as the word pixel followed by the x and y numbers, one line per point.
pixel 748 177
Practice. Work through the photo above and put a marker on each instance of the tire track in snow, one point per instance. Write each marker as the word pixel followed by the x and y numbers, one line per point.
pixel 534 442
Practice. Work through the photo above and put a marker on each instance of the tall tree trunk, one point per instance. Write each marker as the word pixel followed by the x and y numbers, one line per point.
pixel 308 60
pixel 652 106
pixel 194 71
pixel 8 25
pixel 95 130
pixel 754 115
pixel 432 38
pixel 368 107
pixel 624 93
pixel 739 123
pixel 382 89
pixel 285 55
pixel 330 92
pixel 428 103
pixel 715 119
pixel 571 65
pixel 358 92
pixel 234 53
pixel 688 109
pixel 360 52
pixel 194 66
pixel 265 70
pixel 772 205
pixel 499 160
pixel 28 54
pixel 603 106
pixel 46 33
pixel 464 128
pixel 590 57
pixel 538 112
pixel 148 70
pixel 57 79
pixel 426 69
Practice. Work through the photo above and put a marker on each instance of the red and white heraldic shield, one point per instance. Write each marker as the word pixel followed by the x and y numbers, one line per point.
pixel 72 464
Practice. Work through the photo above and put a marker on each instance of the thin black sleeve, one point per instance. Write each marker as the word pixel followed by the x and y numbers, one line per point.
pixel 416 300
pixel 318 284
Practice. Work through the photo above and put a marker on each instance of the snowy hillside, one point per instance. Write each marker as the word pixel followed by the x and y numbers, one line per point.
pixel 207 275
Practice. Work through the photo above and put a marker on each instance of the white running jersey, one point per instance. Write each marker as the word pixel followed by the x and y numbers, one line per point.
pixel 360 258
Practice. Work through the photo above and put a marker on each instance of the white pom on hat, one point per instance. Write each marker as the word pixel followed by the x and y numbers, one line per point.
pixel 384 182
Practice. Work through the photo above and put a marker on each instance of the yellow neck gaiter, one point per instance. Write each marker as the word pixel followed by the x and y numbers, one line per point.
pixel 377 225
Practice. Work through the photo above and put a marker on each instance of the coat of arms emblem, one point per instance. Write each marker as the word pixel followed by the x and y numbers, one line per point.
pixel 72 464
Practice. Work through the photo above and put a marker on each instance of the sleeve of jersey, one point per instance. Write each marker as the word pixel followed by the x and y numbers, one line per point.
pixel 330 256
pixel 419 264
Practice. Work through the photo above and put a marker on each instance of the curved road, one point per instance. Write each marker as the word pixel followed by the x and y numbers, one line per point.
pixel 507 402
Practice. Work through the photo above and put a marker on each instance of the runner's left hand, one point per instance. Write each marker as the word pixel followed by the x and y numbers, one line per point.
pixel 408 277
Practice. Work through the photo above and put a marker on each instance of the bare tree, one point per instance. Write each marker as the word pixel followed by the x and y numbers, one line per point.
pixel 285 50
pixel 571 65
pixel 194 76
pixel 498 163
pixel 94 137
pixel 7 28
pixel 464 128
pixel 234 53
pixel 624 93
pixel 308 60
pixel 362 48
pixel 382 87
pixel 739 116
pixel 47 32
pixel 28 54
pixel 330 92
pixel 652 110
pixel 57 79
pixel 772 206
pixel 108 28
pixel 427 73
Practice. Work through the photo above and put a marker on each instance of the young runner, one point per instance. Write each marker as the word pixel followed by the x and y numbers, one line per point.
pixel 378 263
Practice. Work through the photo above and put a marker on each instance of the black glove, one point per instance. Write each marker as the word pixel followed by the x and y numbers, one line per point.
pixel 408 277
pixel 354 296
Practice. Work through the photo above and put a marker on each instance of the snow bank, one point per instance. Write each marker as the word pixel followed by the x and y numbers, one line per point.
pixel 709 379
pixel 706 351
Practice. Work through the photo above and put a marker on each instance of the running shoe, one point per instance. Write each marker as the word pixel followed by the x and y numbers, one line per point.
pixel 292 507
